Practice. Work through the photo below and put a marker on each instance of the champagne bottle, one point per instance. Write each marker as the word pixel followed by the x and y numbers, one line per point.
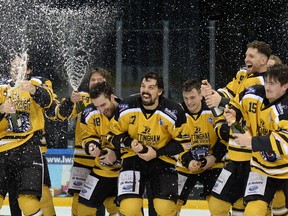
pixel 80 106
pixel 14 117
pixel 237 128
pixel 14 120
pixel 216 111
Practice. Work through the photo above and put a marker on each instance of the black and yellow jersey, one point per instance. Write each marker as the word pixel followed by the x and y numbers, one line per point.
pixel 94 129
pixel 67 110
pixel 50 112
pixel 240 82
pixel 268 125
pixel 154 128
pixel 203 138
pixel 18 128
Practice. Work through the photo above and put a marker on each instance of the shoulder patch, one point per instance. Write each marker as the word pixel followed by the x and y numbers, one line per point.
pixel 171 113
pixel 281 107
pixel 87 110
pixel 123 107
pixel 250 90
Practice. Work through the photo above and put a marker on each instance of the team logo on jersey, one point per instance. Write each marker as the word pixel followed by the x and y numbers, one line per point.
pixel 269 156
pixel 262 128
pixel 23 104
pixel 200 138
pixel 146 130
pixel 197 129
pixel 147 139
pixel 281 108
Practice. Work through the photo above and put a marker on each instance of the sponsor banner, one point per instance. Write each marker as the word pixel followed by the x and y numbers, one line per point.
pixel 59 164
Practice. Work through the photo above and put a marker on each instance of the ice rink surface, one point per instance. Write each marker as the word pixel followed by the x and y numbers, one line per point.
pixel 66 211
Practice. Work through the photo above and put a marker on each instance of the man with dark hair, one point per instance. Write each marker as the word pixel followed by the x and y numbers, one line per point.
pixel 202 160
pixel 46 201
pixel 71 108
pixel 101 184
pixel 22 122
pixel 148 129
pixel 265 109
pixel 256 58
pixel 278 204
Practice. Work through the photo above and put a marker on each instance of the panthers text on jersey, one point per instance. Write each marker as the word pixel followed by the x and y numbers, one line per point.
pixel 154 129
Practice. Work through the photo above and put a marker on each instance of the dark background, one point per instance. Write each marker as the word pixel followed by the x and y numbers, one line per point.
pixel 237 23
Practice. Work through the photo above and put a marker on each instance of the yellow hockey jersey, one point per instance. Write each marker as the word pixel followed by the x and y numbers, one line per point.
pixel 50 111
pixel 240 82
pixel 155 129
pixel 94 129
pixel 268 124
pixel 67 110
pixel 29 117
pixel 203 138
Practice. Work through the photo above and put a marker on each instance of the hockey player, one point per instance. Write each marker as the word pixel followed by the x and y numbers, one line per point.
pixel 101 184
pixel 203 159
pixel 148 130
pixel 22 121
pixel 278 204
pixel 46 201
pixel 265 109
pixel 71 108
pixel 256 58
